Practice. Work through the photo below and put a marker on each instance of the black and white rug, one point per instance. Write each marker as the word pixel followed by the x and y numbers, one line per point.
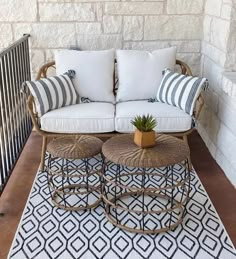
pixel 48 232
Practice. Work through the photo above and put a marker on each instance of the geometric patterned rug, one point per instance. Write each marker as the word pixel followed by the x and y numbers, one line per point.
pixel 47 232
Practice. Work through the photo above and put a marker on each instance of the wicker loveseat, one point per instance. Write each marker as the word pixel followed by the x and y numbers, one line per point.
pixel 133 108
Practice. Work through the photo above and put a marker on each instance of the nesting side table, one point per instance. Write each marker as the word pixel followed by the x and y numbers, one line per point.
pixel 150 196
pixel 75 183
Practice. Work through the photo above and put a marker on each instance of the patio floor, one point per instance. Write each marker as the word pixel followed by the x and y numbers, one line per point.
pixel 12 201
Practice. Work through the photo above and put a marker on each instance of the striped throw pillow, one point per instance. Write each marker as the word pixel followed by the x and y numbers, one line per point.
pixel 52 92
pixel 180 90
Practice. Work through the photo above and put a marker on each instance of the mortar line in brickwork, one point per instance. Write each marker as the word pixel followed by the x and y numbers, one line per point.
pixel 165 7
pixel 122 32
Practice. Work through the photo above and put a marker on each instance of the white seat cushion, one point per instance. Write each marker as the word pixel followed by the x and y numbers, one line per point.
pixel 140 72
pixel 93 72
pixel 169 118
pixel 80 118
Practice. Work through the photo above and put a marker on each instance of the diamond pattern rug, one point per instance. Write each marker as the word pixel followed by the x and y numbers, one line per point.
pixel 49 232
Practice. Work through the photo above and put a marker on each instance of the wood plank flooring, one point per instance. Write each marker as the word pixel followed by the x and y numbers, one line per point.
pixel 13 199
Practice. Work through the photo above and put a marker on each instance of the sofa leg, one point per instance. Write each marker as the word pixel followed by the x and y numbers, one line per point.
pixel 43 152
pixel 185 139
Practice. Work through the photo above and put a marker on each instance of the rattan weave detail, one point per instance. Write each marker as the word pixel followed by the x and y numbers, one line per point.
pixel 75 147
pixel 168 151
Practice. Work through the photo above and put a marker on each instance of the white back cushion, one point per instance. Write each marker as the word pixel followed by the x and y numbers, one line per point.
pixel 94 72
pixel 140 72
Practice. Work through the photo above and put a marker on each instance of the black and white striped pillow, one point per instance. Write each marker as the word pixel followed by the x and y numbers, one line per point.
pixel 180 90
pixel 52 92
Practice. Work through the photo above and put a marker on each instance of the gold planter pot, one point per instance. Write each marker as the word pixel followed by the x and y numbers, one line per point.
pixel 145 139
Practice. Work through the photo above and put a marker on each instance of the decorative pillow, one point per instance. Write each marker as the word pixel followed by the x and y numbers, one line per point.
pixel 94 72
pixel 84 100
pixel 140 72
pixel 53 92
pixel 180 90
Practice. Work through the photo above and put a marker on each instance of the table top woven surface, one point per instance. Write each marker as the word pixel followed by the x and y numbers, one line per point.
pixel 168 151
pixel 75 147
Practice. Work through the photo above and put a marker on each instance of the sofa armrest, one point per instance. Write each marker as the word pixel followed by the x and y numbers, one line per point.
pixel 44 69
pixel 34 116
pixel 198 107
pixel 185 69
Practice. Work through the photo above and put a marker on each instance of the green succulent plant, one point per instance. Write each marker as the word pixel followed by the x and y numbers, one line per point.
pixel 144 123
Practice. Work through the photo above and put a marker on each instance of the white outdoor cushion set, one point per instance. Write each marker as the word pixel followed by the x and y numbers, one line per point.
pixel 83 100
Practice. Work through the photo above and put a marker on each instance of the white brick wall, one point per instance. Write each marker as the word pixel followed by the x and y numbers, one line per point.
pixel 102 24
pixel 18 11
pixel 185 7
pixel 217 121
pixel 173 27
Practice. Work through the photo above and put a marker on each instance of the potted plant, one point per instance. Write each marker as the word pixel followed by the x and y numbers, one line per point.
pixel 144 135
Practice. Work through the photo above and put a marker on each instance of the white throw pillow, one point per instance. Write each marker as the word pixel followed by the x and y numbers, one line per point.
pixel 140 72
pixel 94 72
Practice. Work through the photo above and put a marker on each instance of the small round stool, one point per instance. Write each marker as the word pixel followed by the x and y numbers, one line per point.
pixel 74 172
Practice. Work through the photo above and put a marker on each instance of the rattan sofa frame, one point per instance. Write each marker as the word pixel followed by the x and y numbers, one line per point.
pixel 46 135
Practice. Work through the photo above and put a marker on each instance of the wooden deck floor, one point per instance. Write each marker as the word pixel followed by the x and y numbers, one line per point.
pixel 12 201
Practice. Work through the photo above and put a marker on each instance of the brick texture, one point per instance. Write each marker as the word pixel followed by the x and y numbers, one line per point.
pixel 102 24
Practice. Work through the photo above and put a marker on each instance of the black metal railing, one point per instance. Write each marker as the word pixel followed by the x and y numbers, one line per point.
pixel 15 124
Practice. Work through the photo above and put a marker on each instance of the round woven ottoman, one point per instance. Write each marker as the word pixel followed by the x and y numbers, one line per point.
pixel 74 171
pixel 146 190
